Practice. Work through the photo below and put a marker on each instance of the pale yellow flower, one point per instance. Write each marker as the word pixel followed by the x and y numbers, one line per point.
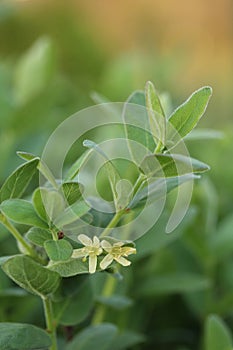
pixel 91 249
pixel 116 252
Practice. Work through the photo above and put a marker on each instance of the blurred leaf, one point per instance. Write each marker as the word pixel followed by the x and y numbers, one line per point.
pixel 118 302
pixel 177 282
pixel 98 337
pixel 113 175
pixel 127 340
pixel 204 134
pixel 217 334
pixel 156 114
pixel 169 165
pixel 82 301
pixel 17 182
pixel 38 236
pixel 72 191
pixel 58 250
pixel 71 214
pixel 35 70
pixel 31 276
pixel 221 243
pixel 186 116
pixel 22 212
pixel 19 336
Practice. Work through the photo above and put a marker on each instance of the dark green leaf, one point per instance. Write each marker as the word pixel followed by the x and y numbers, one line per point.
pixel 81 301
pixel 31 276
pixel 22 212
pixel 217 334
pixel 186 116
pixel 17 182
pixel 72 191
pixel 38 236
pixel 118 302
pixel 170 165
pixel 19 336
pixel 58 250
pixel 174 283
pixel 126 340
pixel 94 337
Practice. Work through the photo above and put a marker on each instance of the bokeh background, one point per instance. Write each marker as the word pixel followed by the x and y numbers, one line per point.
pixel 113 48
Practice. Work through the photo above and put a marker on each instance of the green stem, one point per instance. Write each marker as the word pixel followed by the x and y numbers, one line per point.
pixel 112 223
pixel 17 235
pixel 107 291
pixel 50 323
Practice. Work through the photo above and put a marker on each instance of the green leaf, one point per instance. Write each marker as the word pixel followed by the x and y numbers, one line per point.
pixel 72 191
pixel 38 236
pixel 74 169
pixel 17 182
pixel 113 175
pixel 158 188
pixel 179 282
pixel 169 165
pixel 71 214
pixel 204 134
pixel 70 267
pixel 26 156
pixel 124 190
pixel 98 337
pixel 82 301
pixel 136 124
pixel 58 250
pixel 35 70
pixel 46 172
pixel 217 334
pixel 156 114
pixel 221 243
pixel 19 336
pixel 31 276
pixel 186 116
pixel 117 302
pixel 22 212
pixel 127 340
pixel 48 204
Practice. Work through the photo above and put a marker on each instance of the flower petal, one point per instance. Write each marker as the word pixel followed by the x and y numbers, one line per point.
pixel 118 244
pixel 106 245
pixel 96 241
pixel 85 240
pixel 128 250
pixel 123 261
pixel 107 260
pixel 78 253
pixel 92 263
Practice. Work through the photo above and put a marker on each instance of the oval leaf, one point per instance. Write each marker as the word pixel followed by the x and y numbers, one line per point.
pixel 31 276
pixel 38 236
pixel 72 191
pixel 22 212
pixel 186 116
pixel 15 336
pixel 17 182
pixel 58 250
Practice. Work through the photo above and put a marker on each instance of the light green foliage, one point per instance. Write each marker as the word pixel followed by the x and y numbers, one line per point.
pixel 60 249
pixel 34 70
pixel 217 334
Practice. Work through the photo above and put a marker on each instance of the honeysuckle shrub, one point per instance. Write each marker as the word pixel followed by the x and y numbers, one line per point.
pixel 64 264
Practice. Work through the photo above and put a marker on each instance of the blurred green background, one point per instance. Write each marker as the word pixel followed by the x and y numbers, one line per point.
pixel 53 55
